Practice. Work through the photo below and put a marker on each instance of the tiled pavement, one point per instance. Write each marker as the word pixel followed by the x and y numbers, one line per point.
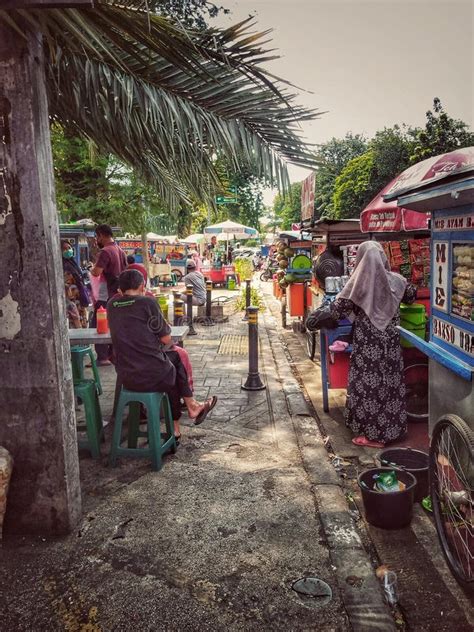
pixel 238 412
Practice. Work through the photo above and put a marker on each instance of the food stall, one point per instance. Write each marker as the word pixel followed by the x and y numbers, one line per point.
pixel 82 239
pixel 165 256
pixel 294 260
pixel 404 236
pixel 447 191
pixel 444 187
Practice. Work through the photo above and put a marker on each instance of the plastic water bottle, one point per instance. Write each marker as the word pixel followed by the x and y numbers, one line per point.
pixel 102 322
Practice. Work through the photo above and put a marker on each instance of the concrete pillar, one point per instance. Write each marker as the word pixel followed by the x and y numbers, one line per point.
pixel 37 421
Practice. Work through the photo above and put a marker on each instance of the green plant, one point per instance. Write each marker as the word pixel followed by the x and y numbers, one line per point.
pixel 256 300
pixel 244 269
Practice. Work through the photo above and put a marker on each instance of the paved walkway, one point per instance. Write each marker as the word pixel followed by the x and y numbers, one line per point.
pixel 430 598
pixel 214 541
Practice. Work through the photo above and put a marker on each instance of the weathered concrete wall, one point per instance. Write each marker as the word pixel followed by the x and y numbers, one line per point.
pixel 37 422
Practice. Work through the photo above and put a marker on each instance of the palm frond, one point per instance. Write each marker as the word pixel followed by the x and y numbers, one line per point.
pixel 168 100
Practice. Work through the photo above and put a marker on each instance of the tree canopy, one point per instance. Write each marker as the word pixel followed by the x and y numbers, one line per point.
pixel 353 170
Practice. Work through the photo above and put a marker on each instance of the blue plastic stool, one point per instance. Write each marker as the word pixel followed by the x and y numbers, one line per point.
pixel 158 408
pixel 86 390
pixel 77 358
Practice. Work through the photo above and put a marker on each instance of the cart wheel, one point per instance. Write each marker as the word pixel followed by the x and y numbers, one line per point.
pixel 177 272
pixel 311 344
pixel 451 486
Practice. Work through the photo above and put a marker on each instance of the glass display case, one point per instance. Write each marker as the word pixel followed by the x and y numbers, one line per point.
pixel 462 298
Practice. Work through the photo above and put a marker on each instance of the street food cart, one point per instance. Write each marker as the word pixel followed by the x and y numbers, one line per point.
pixel 165 258
pixel 295 272
pixel 82 239
pixel 404 236
pixel 444 187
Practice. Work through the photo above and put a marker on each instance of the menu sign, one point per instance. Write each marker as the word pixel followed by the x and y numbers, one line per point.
pixel 440 275
pixel 459 338
pixel 453 222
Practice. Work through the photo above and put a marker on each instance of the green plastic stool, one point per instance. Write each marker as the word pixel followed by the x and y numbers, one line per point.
pixel 158 407
pixel 86 390
pixel 77 357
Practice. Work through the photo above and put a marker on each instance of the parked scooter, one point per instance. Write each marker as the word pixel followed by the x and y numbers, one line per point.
pixel 269 269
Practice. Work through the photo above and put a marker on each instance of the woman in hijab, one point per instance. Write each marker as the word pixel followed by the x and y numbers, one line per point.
pixel 375 406
pixel 76 290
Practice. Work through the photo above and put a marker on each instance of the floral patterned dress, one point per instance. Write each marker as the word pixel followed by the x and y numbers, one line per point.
pixel 375 405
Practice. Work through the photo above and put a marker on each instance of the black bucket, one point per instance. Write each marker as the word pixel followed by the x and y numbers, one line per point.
pixel 388 510
pixel 414 461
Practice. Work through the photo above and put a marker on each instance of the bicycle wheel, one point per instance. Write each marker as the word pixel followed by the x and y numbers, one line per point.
pixel 311 344
pixel 451 486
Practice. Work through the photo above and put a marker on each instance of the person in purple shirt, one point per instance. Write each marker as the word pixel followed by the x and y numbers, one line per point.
pixel 110 263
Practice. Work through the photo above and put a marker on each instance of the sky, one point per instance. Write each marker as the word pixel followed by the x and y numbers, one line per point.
pixel 368 64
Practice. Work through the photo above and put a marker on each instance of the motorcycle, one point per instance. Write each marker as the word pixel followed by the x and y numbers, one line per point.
pixel 269 270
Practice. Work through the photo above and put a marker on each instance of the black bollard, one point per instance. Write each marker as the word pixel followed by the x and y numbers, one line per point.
pixel 253 381
pixel 178 312
pixel 209 322
pixel 189 301
pixel 248 297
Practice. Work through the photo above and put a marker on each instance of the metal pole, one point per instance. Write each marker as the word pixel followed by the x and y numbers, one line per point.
pixel 189 301
pixel 248 295
pixel 253 381
pixel 178 312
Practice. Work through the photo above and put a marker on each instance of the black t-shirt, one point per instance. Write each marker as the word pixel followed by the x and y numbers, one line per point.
pixel 136 326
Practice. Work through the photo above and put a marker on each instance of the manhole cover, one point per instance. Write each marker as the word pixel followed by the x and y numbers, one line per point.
pixel 312 591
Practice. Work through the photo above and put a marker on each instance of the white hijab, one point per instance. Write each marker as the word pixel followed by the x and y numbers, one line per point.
pixel 372 287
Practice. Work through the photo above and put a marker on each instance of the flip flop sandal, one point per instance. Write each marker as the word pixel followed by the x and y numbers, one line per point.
pixel 208 406
pixel 366 443
pixel 177 439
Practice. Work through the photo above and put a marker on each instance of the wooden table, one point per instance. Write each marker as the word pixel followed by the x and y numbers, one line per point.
pixel 91 337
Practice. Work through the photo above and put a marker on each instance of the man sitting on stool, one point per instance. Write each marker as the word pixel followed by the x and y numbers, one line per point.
pixel 196 279
pixel 141 339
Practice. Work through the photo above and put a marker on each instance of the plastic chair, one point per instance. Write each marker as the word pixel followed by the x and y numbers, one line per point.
pixel 158 408
pixel 86 390
pixel 77 358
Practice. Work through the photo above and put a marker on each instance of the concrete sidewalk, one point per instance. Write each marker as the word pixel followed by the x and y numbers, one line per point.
pixel 215 540
pixel 430 598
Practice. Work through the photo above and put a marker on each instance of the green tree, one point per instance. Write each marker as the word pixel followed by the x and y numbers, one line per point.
pixel 332 157
pixel 441 134
pixel 352 189
pixel 364 177
pixel 191 13
pixel 287 208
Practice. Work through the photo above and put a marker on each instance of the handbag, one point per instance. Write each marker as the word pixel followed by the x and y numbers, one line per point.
pixel 321 318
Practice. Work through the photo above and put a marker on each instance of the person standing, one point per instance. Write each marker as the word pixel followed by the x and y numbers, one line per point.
pixel 196 279
pixel 110 263
pixel 76 291
pixel 375 406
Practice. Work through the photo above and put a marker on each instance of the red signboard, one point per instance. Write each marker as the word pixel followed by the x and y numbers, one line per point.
pixel 393 220
pixel 307 197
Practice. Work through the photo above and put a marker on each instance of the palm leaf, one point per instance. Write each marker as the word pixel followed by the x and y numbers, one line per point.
pixel 168 100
